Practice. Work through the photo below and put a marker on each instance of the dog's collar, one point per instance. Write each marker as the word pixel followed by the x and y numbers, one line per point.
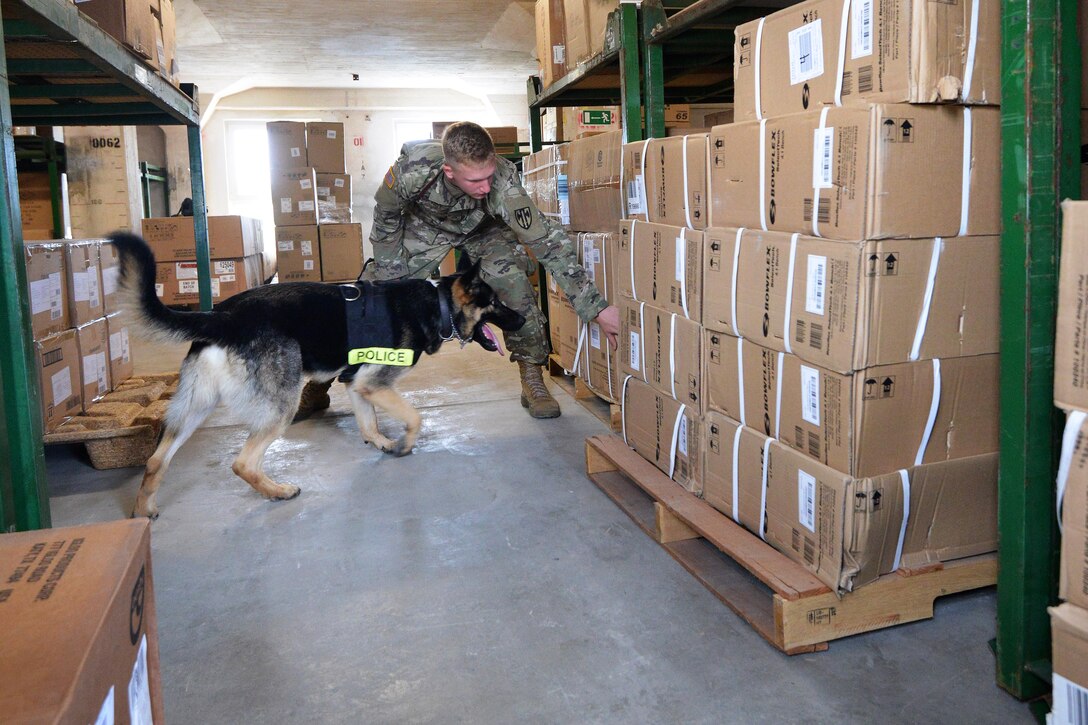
pixel 446 315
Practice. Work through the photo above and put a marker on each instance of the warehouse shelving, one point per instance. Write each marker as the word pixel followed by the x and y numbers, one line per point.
pixel 61 69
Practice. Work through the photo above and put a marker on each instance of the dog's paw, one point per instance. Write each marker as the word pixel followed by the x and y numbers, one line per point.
pixel 401 448
pixel 152 513
pixel 285 492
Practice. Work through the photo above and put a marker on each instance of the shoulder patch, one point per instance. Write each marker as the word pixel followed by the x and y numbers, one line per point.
pixel 524 217
pixel 390 178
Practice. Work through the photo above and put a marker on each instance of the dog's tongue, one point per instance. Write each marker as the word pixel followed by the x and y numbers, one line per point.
pixel 491 336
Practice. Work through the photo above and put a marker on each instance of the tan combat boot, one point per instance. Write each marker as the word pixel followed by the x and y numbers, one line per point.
pixel 315 397
pixel 534 394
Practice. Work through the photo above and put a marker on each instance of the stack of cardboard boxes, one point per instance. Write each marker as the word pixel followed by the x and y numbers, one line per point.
pixel 1069 621
pixel 569 32
pixel 81 339
pixel 311 203
pixel 147 28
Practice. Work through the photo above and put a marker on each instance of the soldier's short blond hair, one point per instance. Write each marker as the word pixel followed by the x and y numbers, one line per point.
pixel 465 142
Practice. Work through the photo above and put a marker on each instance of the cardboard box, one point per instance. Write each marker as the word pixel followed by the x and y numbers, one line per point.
pixel 176 283
pixel 286 145
pixel 1069 660
pixel 882 171
pixel 168 45
pixel 551 46
pixel 92 340
pixel 46 277
pixel 1073 479
pixel 865 423
pixel 325 147
pixel 544 176
pixel 505 138
pixel 333 198
pixel 899 51
pixel 294 197
pixel 677 115
pixel 662 349
pixel 1071 332
pixel 594 177
pixel 58 374
pixel 571 347
pixel 36 206
pixel 601 371
pixel 664 180
pixel 846 530
pixel 130 21
pixel 298 254
pixel 662 266
pixel 229 237
pixel 586 23
pixel 121 365
pixel 110 269
pixel 575 122
pixel 104 190
pixel 848 306
pixel 84 281
pixel 81 635
pixel 665 432
pixel 555 299
pixel 341 251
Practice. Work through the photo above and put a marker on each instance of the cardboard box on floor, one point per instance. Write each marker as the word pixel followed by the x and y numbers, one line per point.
pixel 84 281
pixel 294 197
pixel 81 639
pixel 544 175
pixel 229 237
pixel 849 306
pixel 601 372
pixel 1069 660
pixel 898 51
pixel 325 147
pixel 1073 476
pixel 121 365
pixel 333 198
pixel 866 423
pixel 46 277
pixel 662 349
pixel 594 178
pixel 298 254
pixel 58 374
pixel 341 251
pixel 1071 332
pixel 110 268
pixel 878 171
pixel 551 46
pixel 555 299
pixel 92 340
pixel 176 283
pixel 665 432
pixel 661 266
pixel 665 180
pixel 286 145
pixel 846 530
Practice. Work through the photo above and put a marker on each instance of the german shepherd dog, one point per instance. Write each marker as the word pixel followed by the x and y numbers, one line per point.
pixel 256 350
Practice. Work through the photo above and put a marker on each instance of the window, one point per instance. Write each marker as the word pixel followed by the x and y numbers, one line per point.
pixel 248 180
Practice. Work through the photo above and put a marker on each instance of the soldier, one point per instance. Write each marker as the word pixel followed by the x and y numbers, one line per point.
pixel 458 194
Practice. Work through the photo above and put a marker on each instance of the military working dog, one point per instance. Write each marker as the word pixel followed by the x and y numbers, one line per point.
pixel 255 351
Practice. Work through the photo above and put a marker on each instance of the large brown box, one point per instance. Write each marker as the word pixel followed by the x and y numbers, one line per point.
pixel 664 180
pixel 662 266
pixel 333 198
pixel 36 205
pixel 848 306
pixel 1071 333
pixel 868 172
pixel 58 373
pixel 586 24
pixel 551 48
pixel 168 45
pixel 665 432
pixel 298 254
pixel 325 147
pixel 110 267
pixel 81 631
pixel 896 51
pixel 104 189
pixel 662 349
pixel 594 179
pixel 84 282
pixel 544 175
pixel 848 530
pixel 505 138
pixel 286 145
pixel 294 197
pixel 229 237
pixel 1073 500
pixel 176 283
pixel 133 22
pixel 555 299
pixel 341 251
pixel 864 423
pixel 46 276
pixel 94 368
pixel 568 327
pixel 1069 660
pixel 121 365
pixel 601 372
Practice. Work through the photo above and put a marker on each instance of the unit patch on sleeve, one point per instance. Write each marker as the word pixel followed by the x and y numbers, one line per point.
pixel 524 217
pixel 390 178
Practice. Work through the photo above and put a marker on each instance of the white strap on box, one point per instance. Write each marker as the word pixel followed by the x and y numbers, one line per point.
pixel 934 404
pixel 763 493
pixel 972 45
pixel 736 473
pixel 740 379
pixel 687 198
pixel 607 347
pixel 763 170
pixel 759 69
pixel 927 298
pixel 675 439
pixel 816 189
pixel 642 338
pixel 623 408
pixel 778 397
pixel 842 52
pixel 644 196
pixel 631 250
pixel 1070 437
pixel 789 292
pixel 736 266
pixel 672 354
pixel 582 327
pixel 682 254
pixel 906 515
pixel 965 195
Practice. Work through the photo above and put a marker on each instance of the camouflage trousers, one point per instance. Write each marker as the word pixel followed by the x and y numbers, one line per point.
pixel 504 264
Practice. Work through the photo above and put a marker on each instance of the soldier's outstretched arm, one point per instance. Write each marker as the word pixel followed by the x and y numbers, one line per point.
pixel 387 234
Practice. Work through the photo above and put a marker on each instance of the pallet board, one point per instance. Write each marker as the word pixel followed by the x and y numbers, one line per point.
pixel 604 409
pixel 779 598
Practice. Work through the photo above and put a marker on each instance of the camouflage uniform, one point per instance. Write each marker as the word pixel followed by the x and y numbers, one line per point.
pixel 419 216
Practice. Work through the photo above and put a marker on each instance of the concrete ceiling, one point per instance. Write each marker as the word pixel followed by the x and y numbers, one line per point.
pixel 476 47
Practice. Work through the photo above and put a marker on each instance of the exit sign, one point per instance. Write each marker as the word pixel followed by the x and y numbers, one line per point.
pixel 596 118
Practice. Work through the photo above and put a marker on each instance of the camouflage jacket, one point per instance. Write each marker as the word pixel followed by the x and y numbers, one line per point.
pixel 416 196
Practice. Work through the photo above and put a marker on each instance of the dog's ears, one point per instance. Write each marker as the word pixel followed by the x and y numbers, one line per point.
pixel 471 275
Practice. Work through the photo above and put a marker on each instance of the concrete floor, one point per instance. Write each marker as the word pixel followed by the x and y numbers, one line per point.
pixel 481 579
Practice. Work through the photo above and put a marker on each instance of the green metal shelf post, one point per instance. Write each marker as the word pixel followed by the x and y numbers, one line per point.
pixel 653 14
pixel 629 41
pixel 200 219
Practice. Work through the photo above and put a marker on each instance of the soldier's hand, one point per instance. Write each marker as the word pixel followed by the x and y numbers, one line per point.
pixel 609 320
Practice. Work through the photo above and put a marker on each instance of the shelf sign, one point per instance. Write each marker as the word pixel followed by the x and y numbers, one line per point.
pixel 597 117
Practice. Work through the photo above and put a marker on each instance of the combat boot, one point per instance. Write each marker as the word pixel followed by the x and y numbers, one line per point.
pixel 534 394
pixel 315 397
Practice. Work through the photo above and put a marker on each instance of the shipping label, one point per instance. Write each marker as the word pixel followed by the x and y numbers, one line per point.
pixel 806 500
pixel 806 49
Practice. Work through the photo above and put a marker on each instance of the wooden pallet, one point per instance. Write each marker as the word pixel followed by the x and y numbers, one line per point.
pixel 604 409
pixel 779 598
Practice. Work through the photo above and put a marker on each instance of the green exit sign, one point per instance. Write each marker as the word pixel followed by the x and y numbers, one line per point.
pixel 597 118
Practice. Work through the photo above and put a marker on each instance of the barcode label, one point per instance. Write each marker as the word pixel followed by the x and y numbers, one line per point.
pixel 799 331
pixel 824 211
pixel 816 336
pixel 636 195
pixel 682 436
pixel 814 290
pixel 861 24
pixel 635 354
pixel 847 82
pixel 823 145
pixel 810 552
pixel 595 335
pixel 806 46
pixel 806 500
pixel 681 258
pixel 865 79
pixel 810 394
pixel 559 54
pixel 1070 702
pixel 814 446
pixel 563 194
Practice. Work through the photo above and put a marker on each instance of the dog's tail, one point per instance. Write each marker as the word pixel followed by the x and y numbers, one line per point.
pixel 137 285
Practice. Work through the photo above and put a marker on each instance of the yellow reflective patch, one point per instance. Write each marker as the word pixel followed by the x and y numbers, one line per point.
pixel 380 356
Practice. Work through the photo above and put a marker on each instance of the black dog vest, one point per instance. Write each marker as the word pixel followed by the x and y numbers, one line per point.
pixel 371 338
